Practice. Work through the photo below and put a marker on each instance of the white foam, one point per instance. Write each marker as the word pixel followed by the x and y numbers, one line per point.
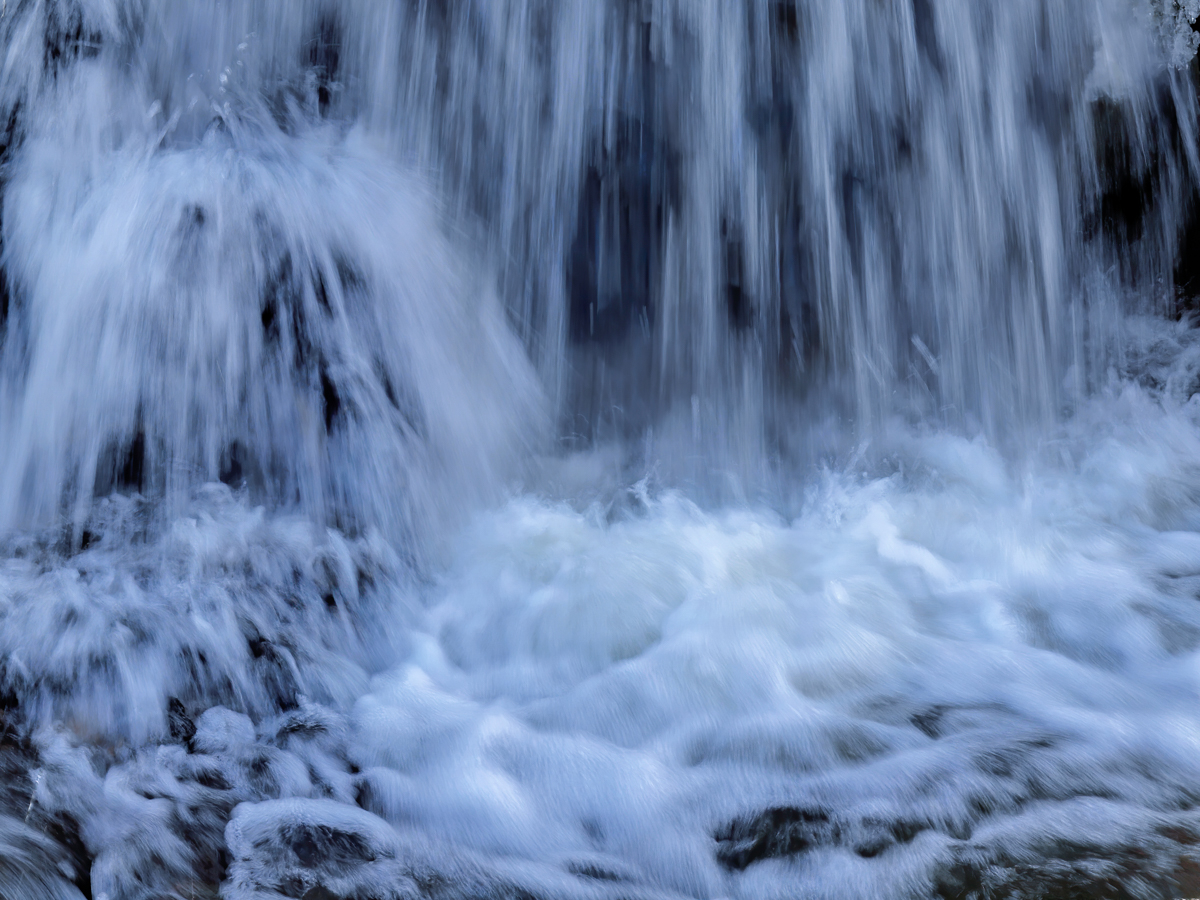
pixel 963 662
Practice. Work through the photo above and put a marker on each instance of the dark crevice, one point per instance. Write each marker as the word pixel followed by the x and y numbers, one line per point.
pixel 321 291
pixel 926 33
pixel 321 845
pixel 65 39
pixel 4 297
pixel 179 723
pixel 123 465
pixel 232 469
pixel 8 142
pixel 853 189
pixel 627 193
pixel 786 19
pixel 280 297
pixel 132 474
pixel 613 258
pixel 737 299
pixel 1127 187
pixel 349 277
pixel 389 389
pixel 331 401
pixel 324 58
pixel 270 313
pixel 1187 258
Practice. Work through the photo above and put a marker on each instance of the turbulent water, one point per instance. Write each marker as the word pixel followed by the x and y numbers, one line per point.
pixel 599 449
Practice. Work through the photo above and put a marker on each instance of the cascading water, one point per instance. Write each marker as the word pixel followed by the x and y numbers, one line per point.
pixel 599 449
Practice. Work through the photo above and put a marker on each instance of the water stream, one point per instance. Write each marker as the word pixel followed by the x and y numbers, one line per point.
pixel 599 449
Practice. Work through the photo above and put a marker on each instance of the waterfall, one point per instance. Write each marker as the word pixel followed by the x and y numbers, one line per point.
pixel 599 448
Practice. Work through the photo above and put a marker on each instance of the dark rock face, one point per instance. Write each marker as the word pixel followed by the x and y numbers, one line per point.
pixel 9 138
pixel 1187 259
pixel 630 187
pixel 4 296
pixel 1127 180
pixel 789 831
pixel 614 258
pixel 1148 195
pixel 1186 272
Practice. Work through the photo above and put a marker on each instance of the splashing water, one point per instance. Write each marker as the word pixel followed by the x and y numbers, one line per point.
pixel 581 449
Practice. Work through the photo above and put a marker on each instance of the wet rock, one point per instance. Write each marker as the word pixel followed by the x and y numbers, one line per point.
pixel 324 58
pixel 42 853
pixel 67 36
pixel 1066 872
pixel 875 837
pixel 789 831
pixel 4 295
pixel 1186 877
pixel 1187 258
pixel 324 845
pixel 782 831
pixel 958 881
pixel 314 848
pixel 180 724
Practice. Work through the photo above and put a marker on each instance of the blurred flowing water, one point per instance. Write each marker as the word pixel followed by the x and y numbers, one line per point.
pixel 599 449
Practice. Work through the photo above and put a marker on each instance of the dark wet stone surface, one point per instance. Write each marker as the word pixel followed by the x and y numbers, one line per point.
pixel 782 831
